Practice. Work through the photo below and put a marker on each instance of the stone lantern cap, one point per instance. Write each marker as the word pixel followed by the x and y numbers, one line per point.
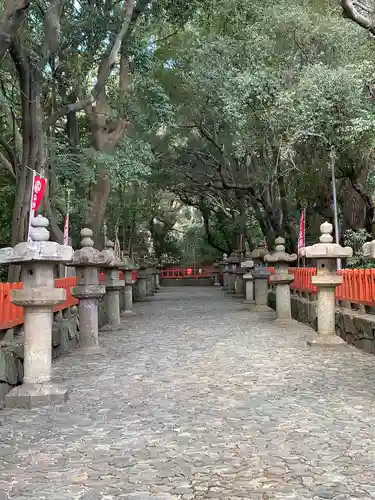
pixel 87 255
pixel 368 250
pixel 39 249
pixel 279 255
pixel 127 264
pixel 248 263
pixel 326 249
pixel 110 257
pixel 259 252
pixel 224 260
pixel 234 258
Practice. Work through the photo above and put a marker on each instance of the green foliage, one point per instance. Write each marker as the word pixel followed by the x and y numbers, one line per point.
pixel 238 109
pixel 355 240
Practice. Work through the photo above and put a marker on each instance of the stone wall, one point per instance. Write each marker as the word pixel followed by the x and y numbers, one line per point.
pixel 65 338
pixel 355 324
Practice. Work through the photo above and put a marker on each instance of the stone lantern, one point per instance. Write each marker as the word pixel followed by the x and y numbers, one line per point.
pixel 128 266
pixel 38 296
pixel 282 279
pixel 87 262
pixel 113 286
pixel 369 250
pixel 260 274
pixel 240 283
pixel 217 274
pixel 142 280
pixel 155 274
pixel 224 264
pixel 157 277
pixel 326 280
pixel 247 265
pixel 149 277
pixel 233 262
pixel 158 270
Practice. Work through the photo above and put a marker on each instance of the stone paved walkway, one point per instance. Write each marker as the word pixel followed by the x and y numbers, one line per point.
pixel 199 399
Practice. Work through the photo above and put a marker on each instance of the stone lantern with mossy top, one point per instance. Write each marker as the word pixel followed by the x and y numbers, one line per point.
pixel 326 280
pixel 282 279
pixel 37 297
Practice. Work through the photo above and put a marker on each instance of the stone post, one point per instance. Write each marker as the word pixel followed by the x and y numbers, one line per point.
pixel 142 281
pixel 149 278
pixel 224 263
pixel 157 275
pixel 326 280
pixel 247 265
pixel 128 266
pixel 233 261
pixel 38 296
pixel 88 290
pixel 260 274
pixel 282 279
pixel 155 288
pixel 217 274
pixel 240 284
pixel 113 286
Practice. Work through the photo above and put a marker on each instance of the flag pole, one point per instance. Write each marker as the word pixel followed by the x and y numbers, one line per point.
pixel 66 225
pixel 32 211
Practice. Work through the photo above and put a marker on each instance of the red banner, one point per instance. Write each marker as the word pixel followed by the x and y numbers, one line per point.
pixel 37 191
pixel 39 186
pixel 301 234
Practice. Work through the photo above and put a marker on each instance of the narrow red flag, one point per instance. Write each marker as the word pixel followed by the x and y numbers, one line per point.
pixel 301 234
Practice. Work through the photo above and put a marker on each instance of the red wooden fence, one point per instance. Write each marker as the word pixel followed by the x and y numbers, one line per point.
pixel 185 272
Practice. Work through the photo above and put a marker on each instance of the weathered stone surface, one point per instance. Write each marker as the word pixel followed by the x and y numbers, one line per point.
pixel 199 399
pixel 64 339
pixel 8 367
pixel 326 280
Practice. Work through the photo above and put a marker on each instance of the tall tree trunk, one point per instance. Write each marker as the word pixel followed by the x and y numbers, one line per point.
pixel 32 153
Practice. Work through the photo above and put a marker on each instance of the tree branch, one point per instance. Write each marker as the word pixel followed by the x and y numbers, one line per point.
pixel 7 165
pixel 351 11
pixel 109 63
pixel 14 15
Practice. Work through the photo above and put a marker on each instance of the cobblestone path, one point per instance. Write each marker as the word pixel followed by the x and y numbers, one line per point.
pixel 199 399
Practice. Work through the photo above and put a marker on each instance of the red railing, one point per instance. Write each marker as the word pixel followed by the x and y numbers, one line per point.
pixel 185 272
pixel 302 279
pixel 11 315
pixel 67 284
pixel 358 286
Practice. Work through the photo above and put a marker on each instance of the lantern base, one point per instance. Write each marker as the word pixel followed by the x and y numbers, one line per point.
pixel 128 312
pixel 29 396
pixel 112 328
pixel 329 340
pixel 89 351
